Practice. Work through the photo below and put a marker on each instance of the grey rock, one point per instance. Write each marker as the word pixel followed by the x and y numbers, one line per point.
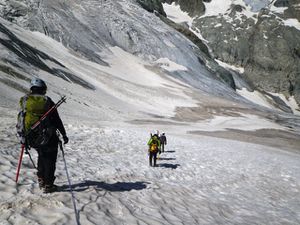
pixel 282 3
pixel 193 8
pixel 152 6
pixel 293 10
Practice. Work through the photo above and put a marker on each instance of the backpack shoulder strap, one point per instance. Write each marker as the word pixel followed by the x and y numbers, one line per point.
pixel 48 103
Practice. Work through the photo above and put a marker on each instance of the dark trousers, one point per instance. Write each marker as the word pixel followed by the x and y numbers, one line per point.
pixel 162 147
pixel 47 164
pixel 152 155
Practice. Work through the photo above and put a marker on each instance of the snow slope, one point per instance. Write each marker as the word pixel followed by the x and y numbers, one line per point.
pixel 199 180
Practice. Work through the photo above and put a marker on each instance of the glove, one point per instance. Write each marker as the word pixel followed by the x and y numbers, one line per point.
pixel 66 139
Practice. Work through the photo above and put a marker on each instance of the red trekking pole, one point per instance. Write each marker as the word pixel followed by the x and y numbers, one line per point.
pixel 35 125
pixel 20 162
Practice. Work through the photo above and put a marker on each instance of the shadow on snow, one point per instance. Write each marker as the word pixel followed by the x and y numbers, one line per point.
pixel 167 165
pixel 165 158
pixel 119 186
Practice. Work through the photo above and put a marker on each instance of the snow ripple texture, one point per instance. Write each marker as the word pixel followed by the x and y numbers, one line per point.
pixel 199 180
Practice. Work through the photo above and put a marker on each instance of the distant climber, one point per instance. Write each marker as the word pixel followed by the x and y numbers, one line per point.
pixel 163 141
pixel 154 148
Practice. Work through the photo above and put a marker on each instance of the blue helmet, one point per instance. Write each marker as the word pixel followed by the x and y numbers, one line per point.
pixel 38 83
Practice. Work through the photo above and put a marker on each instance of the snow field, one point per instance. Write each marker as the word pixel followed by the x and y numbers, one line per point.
pixel 199 180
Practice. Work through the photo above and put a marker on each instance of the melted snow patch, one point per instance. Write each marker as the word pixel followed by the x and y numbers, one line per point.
pixel 169 65
pixel 279 10
pixel 232 67
pixel 222 7
pixel 175 14
pixel 291 102
pixel 255 97
pixel 292 23
pixel 216 7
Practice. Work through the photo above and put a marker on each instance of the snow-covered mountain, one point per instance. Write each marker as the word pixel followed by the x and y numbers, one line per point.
pixel 260 36
pixel 125 32
pixel 232 154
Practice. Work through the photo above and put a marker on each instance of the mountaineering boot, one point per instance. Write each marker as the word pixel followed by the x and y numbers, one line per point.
pixel 50 188
pixel 41 183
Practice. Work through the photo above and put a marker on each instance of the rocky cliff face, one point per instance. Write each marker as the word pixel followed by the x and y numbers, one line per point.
pixel 261 36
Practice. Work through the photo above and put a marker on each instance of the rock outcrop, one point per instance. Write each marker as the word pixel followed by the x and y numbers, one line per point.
pixel 263 38
pixel 152 6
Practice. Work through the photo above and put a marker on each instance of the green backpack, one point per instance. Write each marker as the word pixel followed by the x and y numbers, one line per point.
pixel 33 107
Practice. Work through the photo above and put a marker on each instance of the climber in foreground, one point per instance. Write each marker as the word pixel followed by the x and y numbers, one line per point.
pixel 154 148
pixel 44 137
